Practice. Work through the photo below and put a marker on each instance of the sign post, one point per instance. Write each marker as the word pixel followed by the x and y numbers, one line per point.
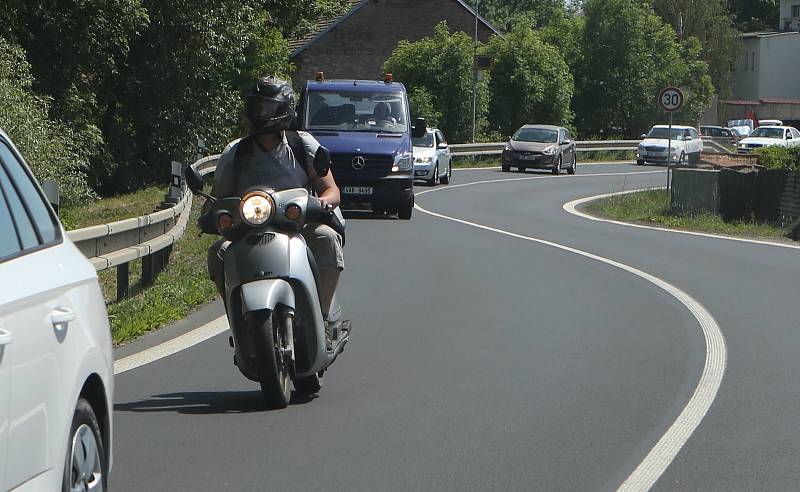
pixel 670 99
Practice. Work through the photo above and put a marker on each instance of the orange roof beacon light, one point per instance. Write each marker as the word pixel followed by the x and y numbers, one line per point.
pixel 388 78
pixel 320 76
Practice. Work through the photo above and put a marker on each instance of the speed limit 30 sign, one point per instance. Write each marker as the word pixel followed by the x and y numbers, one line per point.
pixel 670 99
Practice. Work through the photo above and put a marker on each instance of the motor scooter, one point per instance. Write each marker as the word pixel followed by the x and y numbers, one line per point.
pixel 271 285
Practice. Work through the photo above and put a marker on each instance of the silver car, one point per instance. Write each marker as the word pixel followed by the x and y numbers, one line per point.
pixel 432 159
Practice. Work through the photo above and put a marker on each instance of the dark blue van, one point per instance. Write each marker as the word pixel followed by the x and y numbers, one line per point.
pixel 366 125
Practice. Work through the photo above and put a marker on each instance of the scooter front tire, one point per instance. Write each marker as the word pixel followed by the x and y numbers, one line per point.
pixel 271 364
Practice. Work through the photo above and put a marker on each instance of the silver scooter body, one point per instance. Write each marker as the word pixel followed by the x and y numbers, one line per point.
pixel 268 268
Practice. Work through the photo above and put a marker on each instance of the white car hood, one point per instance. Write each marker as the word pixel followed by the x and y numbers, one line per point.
pixel 422 152
pixel 762 141
pixel 660 142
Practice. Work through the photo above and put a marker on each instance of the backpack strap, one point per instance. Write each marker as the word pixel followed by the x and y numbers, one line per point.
pixel 298 149
pixel 243 152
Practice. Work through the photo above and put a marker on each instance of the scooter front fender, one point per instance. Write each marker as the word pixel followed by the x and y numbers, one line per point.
pixel 267 294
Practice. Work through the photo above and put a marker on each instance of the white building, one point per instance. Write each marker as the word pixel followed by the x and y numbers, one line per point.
pixel 768 67
pixel 790 15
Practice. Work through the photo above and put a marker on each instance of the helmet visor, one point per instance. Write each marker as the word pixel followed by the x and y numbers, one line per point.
pixel 263 108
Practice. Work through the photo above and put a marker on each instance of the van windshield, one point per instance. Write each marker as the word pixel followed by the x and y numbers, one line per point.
pixel 363 111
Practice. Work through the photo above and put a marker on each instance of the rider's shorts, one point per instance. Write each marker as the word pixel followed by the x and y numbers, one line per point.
pixel 326 245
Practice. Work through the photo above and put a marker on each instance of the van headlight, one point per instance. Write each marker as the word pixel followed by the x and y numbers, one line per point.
pixel 403 162
pixel 257 208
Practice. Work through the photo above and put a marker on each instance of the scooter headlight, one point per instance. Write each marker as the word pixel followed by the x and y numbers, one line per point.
pixel 257 208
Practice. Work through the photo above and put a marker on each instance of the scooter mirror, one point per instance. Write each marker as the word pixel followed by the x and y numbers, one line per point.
pixel 193 180
pixel 322 161
pixel 420 128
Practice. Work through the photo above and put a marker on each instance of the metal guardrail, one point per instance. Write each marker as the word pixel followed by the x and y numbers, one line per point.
pixel 478 149
pixel 149 237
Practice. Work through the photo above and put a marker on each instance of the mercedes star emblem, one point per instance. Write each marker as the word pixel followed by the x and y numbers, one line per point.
pixel 359 163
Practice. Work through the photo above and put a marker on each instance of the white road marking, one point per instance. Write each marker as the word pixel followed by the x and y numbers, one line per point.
pixel 183 342
pixel 666 449
pixel 572 207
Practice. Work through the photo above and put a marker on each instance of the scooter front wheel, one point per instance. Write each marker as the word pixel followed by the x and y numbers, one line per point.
pixel 272 356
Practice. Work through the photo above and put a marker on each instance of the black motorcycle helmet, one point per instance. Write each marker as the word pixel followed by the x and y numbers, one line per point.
pixel 270 105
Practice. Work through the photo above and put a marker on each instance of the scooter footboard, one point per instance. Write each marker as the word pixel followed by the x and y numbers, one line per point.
pixel 267 294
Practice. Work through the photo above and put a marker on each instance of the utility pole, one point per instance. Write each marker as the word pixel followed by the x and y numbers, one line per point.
pixel 475 73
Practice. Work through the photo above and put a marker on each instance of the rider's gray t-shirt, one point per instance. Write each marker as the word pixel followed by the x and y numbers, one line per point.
pixel 278 169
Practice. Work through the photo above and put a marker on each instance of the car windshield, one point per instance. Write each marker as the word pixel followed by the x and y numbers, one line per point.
pixel 536 135
pixel 663 133
pixel 426 141
pixel 767 132
pixel 363 111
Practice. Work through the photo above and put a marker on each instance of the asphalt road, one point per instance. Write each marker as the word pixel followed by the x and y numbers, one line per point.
pixel 481 361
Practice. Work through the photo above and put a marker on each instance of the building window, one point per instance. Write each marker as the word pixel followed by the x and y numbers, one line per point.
pixel 795 10
pixel 746 62
pixel 753 64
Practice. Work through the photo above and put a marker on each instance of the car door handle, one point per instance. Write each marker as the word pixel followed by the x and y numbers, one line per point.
pixel 5 337
pixel 62 317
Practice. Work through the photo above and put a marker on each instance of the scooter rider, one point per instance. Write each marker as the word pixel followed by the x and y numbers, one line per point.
pixel 274 157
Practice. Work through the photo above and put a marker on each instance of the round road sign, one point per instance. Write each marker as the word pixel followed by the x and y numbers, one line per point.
pixel 670 99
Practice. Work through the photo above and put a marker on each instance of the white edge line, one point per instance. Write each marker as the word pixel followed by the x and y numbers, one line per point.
pixel 666 449
pixel 571 207
pixel 183 342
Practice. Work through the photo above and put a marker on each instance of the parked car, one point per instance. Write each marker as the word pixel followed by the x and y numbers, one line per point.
pixel 770 123
pixel 56 360
pixel 686 145
pixel 720 135
pixel 770 136
pixel 541 147
pixel 432 159
pixel 741 127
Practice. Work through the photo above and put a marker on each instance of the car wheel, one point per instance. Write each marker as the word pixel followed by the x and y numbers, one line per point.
pixel 639 162
pixel 85 467
pixel 448 175
pixel 574 166
pixel 435 179
pixel 557 169
pixel 520 169
pixel 505 169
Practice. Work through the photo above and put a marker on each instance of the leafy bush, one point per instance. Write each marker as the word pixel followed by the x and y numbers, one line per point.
pixel 779 158
pixel 443 65
pixel 51 149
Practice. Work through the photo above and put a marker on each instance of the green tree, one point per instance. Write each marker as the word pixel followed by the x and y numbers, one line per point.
pixel 185 77
pixel 712 23
pixel 50 148
pixel 531 82
pixel 422 106
pixel 755 15
pixel 504 14
pixel 443 65
pixel 630 54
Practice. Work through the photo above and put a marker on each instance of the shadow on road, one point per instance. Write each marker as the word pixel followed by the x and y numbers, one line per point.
pixel 206 403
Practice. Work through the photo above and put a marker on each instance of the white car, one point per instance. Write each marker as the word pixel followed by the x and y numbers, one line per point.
pixel 56 359
pixel 432 159
pixel 769 136
pixel 686 145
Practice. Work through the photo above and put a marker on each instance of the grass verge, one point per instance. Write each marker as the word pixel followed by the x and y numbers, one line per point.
pixel 653 207
pixel 111 209
pixel 181 287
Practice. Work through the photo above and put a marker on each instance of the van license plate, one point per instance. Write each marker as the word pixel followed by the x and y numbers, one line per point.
pixel 358 190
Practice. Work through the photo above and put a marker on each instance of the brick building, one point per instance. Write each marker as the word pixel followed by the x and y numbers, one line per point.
pixel 355 45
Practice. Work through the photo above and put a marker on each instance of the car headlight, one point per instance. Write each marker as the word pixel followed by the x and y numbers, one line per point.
pixel 552 150
pixel 403 162
pixel 423 160
pixel 257 208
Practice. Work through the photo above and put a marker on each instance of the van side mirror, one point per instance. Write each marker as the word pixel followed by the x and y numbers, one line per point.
pixel 322 161
pixel 420 128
